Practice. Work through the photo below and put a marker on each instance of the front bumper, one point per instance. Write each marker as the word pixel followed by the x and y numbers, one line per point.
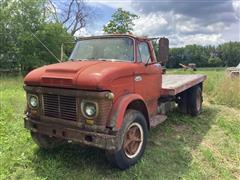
pixel 103 141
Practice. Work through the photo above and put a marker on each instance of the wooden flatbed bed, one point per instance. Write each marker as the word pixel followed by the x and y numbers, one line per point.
pixel 175 84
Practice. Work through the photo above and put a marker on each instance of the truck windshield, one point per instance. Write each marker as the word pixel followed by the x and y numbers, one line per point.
pixel 104 49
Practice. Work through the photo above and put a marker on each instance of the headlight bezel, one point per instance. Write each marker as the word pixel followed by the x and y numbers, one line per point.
pixel 83 110
pixel 29 101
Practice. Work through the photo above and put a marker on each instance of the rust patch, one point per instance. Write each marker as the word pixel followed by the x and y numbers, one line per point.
pixel 103 141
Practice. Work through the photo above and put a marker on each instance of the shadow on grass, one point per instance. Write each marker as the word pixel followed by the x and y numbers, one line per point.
pixel 168 153
pixel 172 144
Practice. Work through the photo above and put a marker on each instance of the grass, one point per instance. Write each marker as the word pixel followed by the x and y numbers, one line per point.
pixel 183 147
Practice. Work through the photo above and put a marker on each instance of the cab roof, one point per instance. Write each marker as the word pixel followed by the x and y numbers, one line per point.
pixel 116 35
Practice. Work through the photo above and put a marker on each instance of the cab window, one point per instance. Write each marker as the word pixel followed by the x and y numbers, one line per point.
pixel 143 52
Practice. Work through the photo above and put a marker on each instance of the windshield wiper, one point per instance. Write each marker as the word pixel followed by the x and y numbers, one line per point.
pixel 74 59
pixel 89 59
pixel 102 59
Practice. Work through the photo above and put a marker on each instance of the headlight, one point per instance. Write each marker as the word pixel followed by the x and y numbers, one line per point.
pixel 89 109
pixel 33 101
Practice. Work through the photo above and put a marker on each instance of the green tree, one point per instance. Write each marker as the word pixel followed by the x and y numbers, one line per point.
pixel 230 53
pixel 19 18
pixel 35 54
pixel 214 61
pixel 196 54
pixel 176 56
pixel 121 22
pixel 20 50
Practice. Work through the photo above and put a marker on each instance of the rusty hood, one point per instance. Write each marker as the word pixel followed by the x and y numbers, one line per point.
pixel 89 75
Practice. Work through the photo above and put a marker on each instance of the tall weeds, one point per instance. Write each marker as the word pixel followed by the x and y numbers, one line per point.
pixel 227 92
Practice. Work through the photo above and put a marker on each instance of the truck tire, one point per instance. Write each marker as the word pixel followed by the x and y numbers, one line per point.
pixel 195 100
pixel 182 102
pixel 132 141
pixel 46 142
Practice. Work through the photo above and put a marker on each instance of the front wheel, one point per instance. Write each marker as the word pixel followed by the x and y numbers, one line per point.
pixel 132 141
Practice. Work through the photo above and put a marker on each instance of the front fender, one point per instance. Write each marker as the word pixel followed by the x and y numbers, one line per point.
pixel 119 108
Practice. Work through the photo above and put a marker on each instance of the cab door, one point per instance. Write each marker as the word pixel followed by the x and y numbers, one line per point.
pixel 147 80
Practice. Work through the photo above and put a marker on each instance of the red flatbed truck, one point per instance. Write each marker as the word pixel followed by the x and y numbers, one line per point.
pixel 109 94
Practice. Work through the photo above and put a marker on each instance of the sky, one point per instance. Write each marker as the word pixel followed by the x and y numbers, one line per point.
pixel 203 22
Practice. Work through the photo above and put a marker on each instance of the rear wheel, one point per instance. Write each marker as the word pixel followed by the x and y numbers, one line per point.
pixel 190 101
pixel 182 102
pixel 132 141
pixel 46 142
pixel 195 101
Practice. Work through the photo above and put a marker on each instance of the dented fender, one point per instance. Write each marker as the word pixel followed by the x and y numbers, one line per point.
pixel 119 108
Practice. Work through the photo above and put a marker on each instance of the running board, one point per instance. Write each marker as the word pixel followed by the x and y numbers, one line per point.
pixel 158 119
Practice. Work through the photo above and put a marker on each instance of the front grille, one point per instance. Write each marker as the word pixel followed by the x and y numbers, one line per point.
pixel 63 107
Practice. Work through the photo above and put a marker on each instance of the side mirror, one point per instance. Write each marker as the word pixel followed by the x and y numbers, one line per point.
pixel 163 51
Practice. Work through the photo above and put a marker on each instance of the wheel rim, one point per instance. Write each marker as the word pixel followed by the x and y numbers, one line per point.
pixel 198 101
pixel 133 140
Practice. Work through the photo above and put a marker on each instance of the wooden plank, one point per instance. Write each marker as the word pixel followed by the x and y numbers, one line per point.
pixel 174 84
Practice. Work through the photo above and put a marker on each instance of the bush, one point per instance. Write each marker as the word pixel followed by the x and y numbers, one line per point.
pixel 214 61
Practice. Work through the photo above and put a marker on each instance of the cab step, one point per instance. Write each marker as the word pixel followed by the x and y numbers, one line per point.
pixel 158 119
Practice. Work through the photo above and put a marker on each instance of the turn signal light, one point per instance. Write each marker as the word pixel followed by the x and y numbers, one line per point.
pixel 89 121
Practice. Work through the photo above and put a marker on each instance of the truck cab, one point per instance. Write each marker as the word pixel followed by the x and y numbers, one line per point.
pixel 108 95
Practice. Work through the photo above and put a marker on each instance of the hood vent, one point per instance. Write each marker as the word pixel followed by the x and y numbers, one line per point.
pixel 57 81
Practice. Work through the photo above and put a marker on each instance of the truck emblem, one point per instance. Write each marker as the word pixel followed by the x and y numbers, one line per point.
pixel 138 78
